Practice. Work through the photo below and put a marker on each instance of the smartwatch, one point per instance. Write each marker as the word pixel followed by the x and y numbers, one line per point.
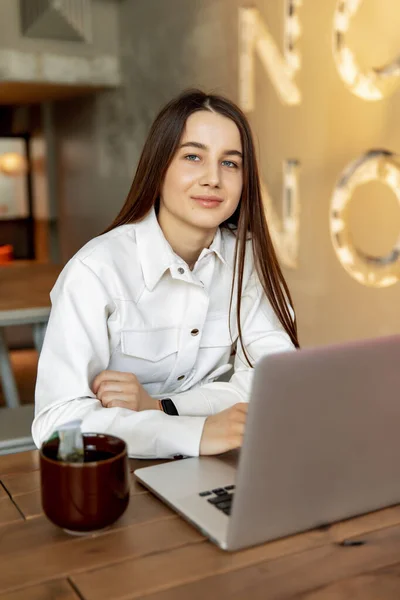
pixel 168 407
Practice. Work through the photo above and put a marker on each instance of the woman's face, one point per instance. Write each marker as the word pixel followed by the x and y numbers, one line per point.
pixel 203 184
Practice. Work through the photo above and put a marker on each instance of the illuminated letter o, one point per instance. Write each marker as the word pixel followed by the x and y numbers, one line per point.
pixel 373 271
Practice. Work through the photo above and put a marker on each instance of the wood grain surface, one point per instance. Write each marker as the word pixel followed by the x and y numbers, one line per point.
pixel 151 552
pixel 26 284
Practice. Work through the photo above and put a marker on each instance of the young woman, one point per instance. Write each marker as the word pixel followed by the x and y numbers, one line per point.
pixel 144 317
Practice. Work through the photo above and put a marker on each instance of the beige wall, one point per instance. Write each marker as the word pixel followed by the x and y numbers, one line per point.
pixel 327 131
pixel 167 45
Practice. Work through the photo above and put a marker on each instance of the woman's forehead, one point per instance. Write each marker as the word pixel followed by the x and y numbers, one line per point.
pixel 213 130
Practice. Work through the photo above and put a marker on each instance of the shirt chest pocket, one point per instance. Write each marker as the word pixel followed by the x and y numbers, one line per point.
pixel 216 334
pixel 149 353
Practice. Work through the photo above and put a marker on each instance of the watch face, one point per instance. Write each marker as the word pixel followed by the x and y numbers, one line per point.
pixel 169 406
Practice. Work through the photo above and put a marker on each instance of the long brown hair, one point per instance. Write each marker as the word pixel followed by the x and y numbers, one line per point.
pixel 248 219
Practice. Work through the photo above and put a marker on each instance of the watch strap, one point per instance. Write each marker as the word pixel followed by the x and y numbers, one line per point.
pixel 169 407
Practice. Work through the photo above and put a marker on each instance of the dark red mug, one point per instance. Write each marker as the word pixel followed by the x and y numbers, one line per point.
pixel 88 496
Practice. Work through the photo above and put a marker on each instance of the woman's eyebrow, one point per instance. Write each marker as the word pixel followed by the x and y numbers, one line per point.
pixel 195 144
pixel 204 147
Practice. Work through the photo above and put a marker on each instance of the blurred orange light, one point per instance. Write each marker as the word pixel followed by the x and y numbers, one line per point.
pixel 12 163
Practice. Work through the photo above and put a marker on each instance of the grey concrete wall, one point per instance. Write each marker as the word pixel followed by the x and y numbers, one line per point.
pixel 165 46
pixel 47 58
pixel 105 32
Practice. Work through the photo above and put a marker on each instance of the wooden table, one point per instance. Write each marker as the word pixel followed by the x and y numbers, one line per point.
pixel 151 552
pixel 24 300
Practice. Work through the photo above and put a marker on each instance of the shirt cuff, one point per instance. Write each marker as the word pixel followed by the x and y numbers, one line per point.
pixel 181 436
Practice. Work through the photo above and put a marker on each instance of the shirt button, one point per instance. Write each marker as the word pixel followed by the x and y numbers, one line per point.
pixel 195 332
pixel 181 377
pixel 181 271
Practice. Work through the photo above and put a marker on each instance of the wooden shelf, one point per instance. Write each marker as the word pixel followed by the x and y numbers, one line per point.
pixel 15 92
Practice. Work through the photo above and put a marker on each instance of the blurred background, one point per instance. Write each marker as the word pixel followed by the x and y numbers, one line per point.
pixel 81 82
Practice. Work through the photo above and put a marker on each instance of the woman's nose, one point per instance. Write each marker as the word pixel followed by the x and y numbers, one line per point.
pixel 211 175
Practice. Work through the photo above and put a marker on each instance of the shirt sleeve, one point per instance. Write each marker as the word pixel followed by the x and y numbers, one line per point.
pixel 262 334
pixel 76 348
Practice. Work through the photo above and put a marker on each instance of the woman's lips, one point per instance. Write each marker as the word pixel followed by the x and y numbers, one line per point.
pixel 208 201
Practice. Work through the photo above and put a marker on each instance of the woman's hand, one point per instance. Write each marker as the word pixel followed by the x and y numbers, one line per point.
pixel 224 430
pixel 114 388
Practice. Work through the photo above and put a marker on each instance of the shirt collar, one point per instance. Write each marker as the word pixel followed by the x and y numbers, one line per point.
pixel 156 255
pixel 217 247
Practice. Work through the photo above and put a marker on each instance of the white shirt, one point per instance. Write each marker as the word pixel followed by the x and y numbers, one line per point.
pixel 127 302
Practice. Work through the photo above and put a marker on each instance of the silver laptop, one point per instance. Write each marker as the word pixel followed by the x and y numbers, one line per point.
pixel 322 443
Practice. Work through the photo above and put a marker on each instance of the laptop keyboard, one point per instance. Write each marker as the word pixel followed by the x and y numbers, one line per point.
pixel 221 498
